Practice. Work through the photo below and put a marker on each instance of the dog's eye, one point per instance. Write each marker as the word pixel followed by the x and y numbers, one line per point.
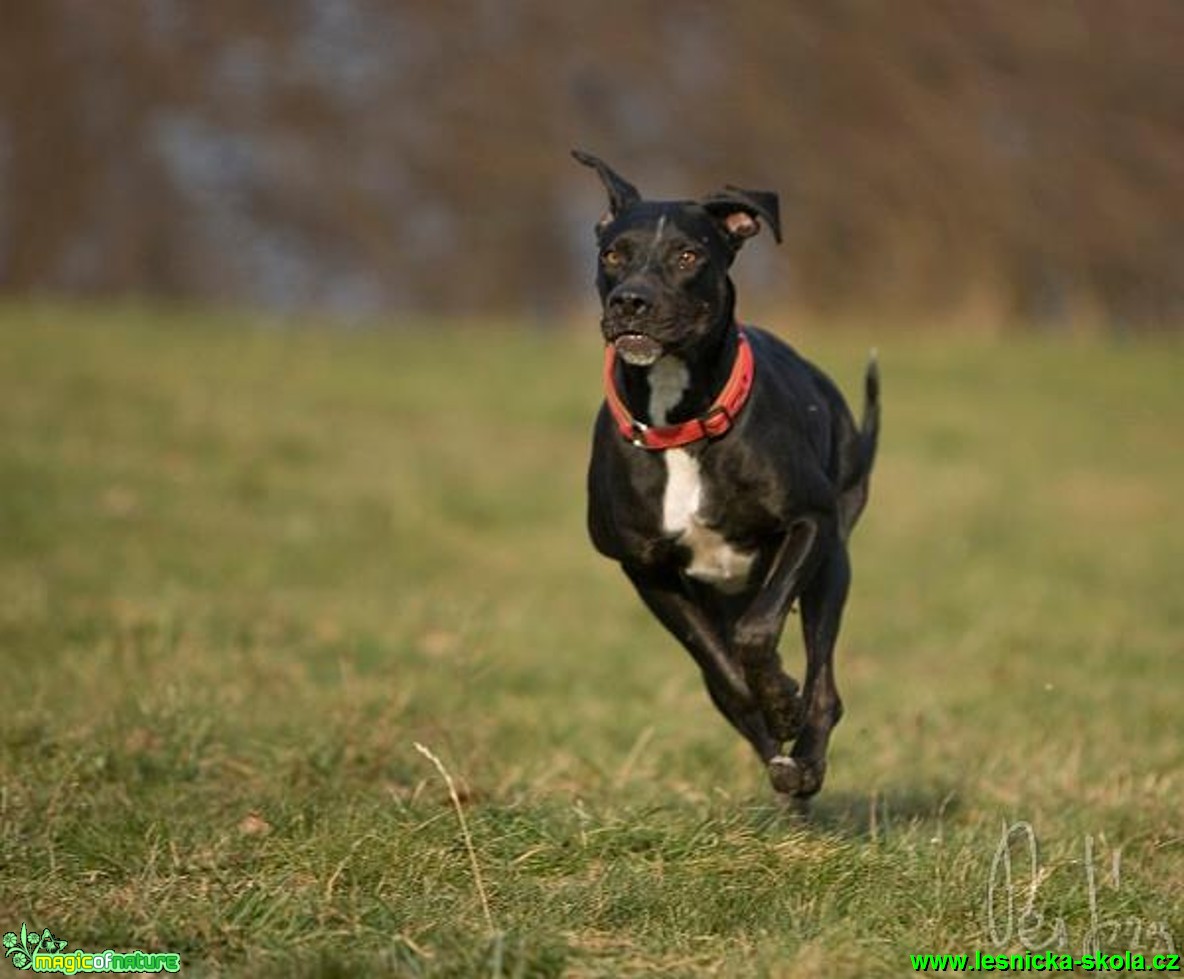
pixel 688 259
pixel 612 258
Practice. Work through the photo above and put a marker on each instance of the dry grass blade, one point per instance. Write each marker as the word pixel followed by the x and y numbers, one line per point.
pixel 464 831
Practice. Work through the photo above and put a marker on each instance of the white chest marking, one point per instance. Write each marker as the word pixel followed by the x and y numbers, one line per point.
pixel 713 559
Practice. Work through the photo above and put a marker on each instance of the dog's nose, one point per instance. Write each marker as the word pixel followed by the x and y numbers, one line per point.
pixel 630 302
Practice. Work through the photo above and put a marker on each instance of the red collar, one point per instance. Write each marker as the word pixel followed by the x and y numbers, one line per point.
pixel 712 424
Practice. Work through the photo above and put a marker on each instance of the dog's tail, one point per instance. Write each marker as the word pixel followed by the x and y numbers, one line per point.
pixel 869 428
pixel 853 496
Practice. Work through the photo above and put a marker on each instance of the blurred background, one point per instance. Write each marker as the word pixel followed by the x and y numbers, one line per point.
pixel 245 565
pixel 953 162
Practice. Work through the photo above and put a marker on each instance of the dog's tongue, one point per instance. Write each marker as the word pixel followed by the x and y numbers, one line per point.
pixel 637 349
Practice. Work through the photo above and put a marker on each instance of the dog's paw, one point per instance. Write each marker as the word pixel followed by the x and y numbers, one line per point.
pixel 794 777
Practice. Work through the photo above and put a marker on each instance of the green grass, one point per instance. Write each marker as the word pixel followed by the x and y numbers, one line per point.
pixel 243 570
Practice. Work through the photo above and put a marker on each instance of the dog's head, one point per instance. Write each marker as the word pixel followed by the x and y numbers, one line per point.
pixel 663 266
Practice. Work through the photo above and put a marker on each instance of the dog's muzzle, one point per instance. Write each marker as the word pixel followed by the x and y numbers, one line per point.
pixel 637 349
pixel 627 310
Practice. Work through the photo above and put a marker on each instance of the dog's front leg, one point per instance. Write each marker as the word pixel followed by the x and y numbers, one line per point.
pixel 822 609
pixel 759 628
pixel 664 593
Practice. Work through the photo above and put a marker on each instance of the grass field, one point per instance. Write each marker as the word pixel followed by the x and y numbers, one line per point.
pixel 244 570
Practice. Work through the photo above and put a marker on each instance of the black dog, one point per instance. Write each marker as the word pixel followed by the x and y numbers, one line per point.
pixel 727 471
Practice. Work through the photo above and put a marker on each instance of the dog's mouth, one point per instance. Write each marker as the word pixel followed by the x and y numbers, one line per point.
pixel 637 349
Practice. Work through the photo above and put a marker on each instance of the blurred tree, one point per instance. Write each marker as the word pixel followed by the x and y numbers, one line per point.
pixel 361 156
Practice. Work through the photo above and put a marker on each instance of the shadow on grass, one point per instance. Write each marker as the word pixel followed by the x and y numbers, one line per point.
pixel 870 815
pixel 454 954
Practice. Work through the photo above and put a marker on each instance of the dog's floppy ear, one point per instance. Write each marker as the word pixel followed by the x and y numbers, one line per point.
pixel 621 193
pixel 737 211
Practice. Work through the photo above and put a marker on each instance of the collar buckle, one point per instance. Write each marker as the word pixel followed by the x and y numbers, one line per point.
pixel 717 421
pixel 637 432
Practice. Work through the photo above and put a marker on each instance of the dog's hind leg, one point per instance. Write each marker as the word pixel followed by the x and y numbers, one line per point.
pixel 822 603
pixel 664 593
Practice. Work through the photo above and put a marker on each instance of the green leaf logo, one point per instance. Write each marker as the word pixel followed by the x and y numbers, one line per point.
pixel 49 944
pixel 21 948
